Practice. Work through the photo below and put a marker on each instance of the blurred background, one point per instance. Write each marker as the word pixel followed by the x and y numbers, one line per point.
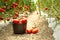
pixel 12 9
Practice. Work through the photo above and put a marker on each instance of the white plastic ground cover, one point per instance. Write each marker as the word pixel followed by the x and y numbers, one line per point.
pixel 2 24
pixel 52 24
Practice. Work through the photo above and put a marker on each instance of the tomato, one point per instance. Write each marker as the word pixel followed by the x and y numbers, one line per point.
pixel 14 17
pixel 1 18
pixel 14 5
pixel 29 31
pixel 11 7
pixel 20 22
pixel 16 14
pixel 46 8
pixel 24 21
pixel 2 10
pixel 8 19
pixel 4 7
pixel 16 21
pixel 5 0
pixel 34 31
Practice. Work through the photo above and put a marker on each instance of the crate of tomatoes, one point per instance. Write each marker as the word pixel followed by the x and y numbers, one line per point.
pixel 19 25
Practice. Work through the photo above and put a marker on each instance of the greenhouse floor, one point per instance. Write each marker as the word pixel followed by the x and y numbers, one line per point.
pixel 7 34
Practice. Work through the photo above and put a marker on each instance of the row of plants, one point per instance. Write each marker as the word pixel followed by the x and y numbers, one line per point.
pixel 51 7
pixel 12 8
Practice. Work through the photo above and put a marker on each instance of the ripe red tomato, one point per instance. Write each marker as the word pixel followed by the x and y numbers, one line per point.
pixel 5 0
pixel 20 22
pixel 16 14
pixel 16 21
pixel 1 18
pixel 46 8
pixel 14 17
pixel 2 10
pixel 34 31
pixel 11 7
pixel 24 21
pixel 4 7
pixel 8 19
pixel 14 5
pixel 28 31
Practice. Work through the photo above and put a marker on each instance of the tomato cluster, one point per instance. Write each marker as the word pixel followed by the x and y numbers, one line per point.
pixel 5 0
pixel 14 5
pixel 2 10
pixel 23 20
pixel 33 30
pixel 20 21
pixel 1 18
